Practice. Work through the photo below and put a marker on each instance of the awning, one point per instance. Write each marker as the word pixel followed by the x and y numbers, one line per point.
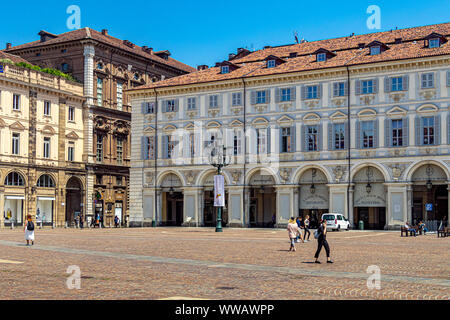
pixel 15 197
pixel 46 198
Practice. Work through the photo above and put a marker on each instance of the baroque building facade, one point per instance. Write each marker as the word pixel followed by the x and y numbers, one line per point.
pixel 358 126
pixel 42 170
pixel 106 66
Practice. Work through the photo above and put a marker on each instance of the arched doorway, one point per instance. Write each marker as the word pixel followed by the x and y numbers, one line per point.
pixel 263 200
pixel 74 192
pixel 430 194
pixel 369 199
pixel 172 201
pixel 209 211
pixel 14 208
pixel 314 195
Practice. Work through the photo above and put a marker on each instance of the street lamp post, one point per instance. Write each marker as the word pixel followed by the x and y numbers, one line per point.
pixel 219 161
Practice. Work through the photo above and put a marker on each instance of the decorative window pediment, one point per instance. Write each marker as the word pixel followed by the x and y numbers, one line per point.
pixel 190 126
pixel 427 108
pixel 338 116
pixel 311 117
pixel 260 122
pixel 285 121
pixel 236 123
pixel 213 125
pixel 2 123
pixel 72 136
pixel 48 130
pixel 17 126
pixel 169 128
pixel 149 129
pixel 367 113
pixel 396 111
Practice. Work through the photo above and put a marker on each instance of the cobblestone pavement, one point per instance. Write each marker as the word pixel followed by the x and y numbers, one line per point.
pixel 162 263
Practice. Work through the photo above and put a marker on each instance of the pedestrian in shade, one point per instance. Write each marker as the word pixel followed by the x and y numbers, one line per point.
pixel 293 231
pixel 321 236
pixel 29 230
pixel 306 227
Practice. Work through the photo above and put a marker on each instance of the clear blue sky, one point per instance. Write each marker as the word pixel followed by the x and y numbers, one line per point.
pixel 205 31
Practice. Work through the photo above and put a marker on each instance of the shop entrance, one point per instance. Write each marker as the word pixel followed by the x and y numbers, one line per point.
pixel 174 209
pixel 374 218
pixel 73 200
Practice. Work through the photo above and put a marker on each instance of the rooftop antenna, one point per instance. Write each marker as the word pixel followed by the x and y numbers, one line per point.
pixel 296 36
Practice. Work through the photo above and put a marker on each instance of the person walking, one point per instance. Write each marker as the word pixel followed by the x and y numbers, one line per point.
pixel 299 222
pixel 322 241
pixel 293 231
pixel 306 228
pixel 29 231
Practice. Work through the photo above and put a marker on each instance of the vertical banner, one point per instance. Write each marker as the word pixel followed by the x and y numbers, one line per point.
pixel 219 191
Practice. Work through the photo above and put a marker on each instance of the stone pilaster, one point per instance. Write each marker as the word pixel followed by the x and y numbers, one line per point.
pixel 32 130
pixel 2 205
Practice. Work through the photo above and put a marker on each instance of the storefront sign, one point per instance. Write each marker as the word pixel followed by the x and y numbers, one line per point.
pixel 429 207
pixel 219 191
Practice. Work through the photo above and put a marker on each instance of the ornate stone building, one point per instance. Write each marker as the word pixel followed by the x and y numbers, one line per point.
pixel 41 146
pixel 356 125
pixel 107 66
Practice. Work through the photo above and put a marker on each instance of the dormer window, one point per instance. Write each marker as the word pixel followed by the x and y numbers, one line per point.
pixel 225 69
pixel 375 50
pixel 271 64
pixel 434 43
pixel 321 57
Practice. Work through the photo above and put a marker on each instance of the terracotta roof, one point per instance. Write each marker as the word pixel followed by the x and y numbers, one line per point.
pixel 88 33
pixel 12 57
pixel 346 50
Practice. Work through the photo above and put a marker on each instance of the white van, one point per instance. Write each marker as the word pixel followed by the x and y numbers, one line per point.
pixel 336 221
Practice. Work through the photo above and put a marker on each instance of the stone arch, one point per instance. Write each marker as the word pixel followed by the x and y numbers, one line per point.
pixel 300 171
pixel 166 173
pixel 204 174
pixel 355 169
pixel 80 179
pixel 268 171
pixel 51 175
pixel 24 176
pixel 413 168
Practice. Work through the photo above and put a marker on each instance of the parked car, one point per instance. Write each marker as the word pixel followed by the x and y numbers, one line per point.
pixel 336 221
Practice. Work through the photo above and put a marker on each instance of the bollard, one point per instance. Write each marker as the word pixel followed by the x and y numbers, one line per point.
pixel 40 226
pixel 12 224
pixel 53 225
pixel 65 226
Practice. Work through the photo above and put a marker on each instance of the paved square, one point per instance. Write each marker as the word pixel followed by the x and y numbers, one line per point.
pixel 180 263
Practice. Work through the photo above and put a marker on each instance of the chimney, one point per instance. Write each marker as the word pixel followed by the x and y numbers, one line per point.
pixel 202 67
pixel 398 40
pixel 8 46
pixel 231 56
pixel 105 32
pixel 239 50
pixel 267 47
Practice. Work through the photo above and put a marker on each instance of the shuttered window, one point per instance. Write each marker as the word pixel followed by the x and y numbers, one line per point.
pixel 339 136
pixel 339 89
pixel 368 134
pixel 427 80
pixel 428 130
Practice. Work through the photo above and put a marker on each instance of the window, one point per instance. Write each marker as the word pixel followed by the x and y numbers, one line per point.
pixel 367 86
pixel 312 138
pixel 64 67
pixel 171 106
pixel 99 148
pixel 448 78
pixel 312 92
pixel 286 94
pixel 71 114
pixel 434 43
pixel 237 142
pixel 261 135
pixel 339 89
pixel 149 148
pixel 45 181
pixel 236 99
pixel 427 80
pixel 170 147
pixel 397 84
pixel 375 50
pixel 118 180
pixel 213 101
pixel 225 69
pixel 47 110
pixel 46 147
pixel 119 150
pixel 260 96
pixel 16 102
pixel 119 96
pixel 192 145
pixel 428 131
pixel 368 133
pixel 15 143
pixel 99 179
pixel 14 179
pixel 286 140
pixel 397 133
pixel 71 152
pixel 321 57
pixel 271 64
pixel 149 107
pixel 339 136
pixel 99 92
pixel 191 104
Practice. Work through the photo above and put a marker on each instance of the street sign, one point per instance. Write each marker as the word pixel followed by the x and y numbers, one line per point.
pixel 429 207
pixel 219 191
